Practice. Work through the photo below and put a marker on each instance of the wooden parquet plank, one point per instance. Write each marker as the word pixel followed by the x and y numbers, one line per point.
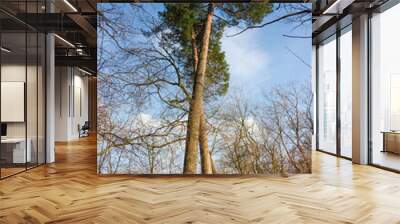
pixel 70 191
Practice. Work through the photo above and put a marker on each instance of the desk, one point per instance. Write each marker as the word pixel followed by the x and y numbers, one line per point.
pixel 13 150
pixel 391 141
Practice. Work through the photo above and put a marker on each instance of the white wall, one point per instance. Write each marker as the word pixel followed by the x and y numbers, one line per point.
pixel 80 109
pixel 62 81
pixel 71 87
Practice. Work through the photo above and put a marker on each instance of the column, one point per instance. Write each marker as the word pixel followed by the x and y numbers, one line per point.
pixel 360 90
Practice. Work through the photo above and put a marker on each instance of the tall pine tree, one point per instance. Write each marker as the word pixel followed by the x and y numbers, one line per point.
pixel 198 29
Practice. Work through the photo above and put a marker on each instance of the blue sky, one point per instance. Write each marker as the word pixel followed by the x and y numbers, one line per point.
pixel 261 58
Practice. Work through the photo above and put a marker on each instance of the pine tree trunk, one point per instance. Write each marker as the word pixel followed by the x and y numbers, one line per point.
pixel 206 162
pixel 192 136
pixel 214 169
pixel 206 167
pixel 195 51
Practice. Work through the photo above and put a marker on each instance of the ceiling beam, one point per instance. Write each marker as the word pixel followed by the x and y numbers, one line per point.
pixel 337 7
pixel 203 1
pixel 49 22
pixel 78 61
pixel 86 26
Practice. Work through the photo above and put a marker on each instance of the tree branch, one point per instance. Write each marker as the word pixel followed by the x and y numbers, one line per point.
pixel 306 11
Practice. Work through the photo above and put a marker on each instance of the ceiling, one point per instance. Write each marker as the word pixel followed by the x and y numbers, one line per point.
pixel 73 21
pixel 330 15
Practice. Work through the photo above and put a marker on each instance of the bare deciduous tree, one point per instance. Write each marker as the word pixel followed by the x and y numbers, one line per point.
pixel 155 112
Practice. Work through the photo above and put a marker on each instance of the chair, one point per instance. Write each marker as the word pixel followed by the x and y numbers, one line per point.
pixel 84 130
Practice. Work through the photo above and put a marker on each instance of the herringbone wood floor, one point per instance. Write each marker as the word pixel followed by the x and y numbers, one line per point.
pixel 70 191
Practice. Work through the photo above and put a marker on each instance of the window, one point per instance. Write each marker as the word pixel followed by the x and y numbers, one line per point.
pixel 327 95
pixel 385 89
pixel 346 92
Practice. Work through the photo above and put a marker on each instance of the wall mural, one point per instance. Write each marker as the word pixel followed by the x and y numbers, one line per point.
pixel 204 88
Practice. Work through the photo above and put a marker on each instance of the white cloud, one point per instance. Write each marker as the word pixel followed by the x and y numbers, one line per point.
pixel 245 55
pixel 145 119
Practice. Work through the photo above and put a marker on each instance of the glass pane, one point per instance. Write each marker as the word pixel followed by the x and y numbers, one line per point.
pixel 386 89
pixel 22 89
pixel 346 93
pixel 13 86
pixel 327 96
pixel 31 97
